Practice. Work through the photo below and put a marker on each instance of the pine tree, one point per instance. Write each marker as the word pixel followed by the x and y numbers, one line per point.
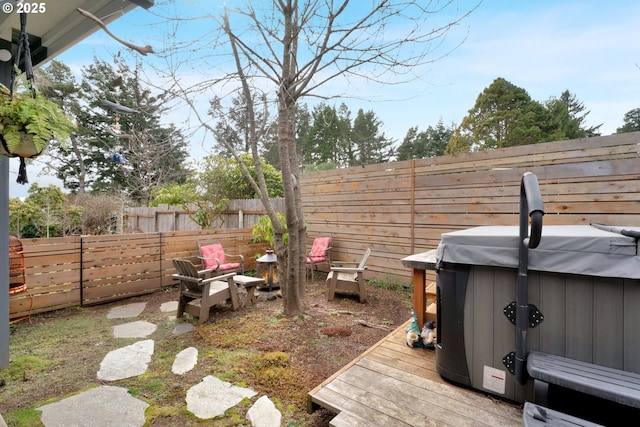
pixel 429 143
pixel 371 144
pixel 113 150
pixel 568 117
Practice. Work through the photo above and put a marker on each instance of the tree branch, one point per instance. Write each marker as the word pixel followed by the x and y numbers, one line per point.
pixel 142 50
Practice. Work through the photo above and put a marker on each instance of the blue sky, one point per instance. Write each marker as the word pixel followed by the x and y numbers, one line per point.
pixel 591 48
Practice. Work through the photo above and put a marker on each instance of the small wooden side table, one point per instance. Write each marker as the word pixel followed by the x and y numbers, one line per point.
pixel 420 263
pixel 250 284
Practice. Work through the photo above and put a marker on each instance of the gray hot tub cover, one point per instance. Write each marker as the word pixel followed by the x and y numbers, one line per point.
pixel 574 249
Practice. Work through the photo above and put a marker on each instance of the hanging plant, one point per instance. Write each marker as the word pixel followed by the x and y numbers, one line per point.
pixel 28 123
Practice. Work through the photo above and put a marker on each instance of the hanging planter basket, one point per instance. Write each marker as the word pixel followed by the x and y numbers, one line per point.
pixel 28 121
pixel 26 147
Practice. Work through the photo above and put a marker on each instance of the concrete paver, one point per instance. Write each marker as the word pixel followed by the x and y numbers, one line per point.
pixel 169 306
pixel 264 413
pixel 185 361
pixel 212 397
pixel 125 311
pixel 126 362
pixel 182 328
pixel 137 329
pixel 99 407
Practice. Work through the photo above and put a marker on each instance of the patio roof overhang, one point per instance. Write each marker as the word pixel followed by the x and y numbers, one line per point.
pixel 59 28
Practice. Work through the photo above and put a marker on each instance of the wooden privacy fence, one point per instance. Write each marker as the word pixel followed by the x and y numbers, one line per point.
pixel 402 208
pixel 71 271
pixel 240 214
pixel 396 209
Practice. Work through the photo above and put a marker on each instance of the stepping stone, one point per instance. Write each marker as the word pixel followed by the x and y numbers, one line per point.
pixel 182 328
pixel 126 362
pixel 99 407
pixel 185 361
pixel 124 311
pixel 137 329
pixel 169 306
pixel 263 413
pixel 212 397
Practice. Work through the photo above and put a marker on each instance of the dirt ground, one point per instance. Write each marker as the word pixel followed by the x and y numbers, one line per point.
pixel 57 354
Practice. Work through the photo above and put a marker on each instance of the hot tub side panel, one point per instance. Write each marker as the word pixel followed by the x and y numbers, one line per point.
pixel 489 335
pixel 631 321
pixel 592 319
pixel 587 318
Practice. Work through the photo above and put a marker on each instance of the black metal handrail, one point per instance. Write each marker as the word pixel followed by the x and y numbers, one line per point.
pixel 530 207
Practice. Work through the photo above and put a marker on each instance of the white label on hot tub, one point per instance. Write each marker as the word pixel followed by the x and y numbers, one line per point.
pixel 494 380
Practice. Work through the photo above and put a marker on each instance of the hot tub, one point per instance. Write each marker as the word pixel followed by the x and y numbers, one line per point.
pixel 583 295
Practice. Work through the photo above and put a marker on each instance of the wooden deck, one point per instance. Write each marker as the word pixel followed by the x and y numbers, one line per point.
pixel 392 385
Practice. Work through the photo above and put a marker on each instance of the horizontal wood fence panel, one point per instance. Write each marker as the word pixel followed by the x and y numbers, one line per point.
pixel 396 209
pixel 116 268
pixel 31 302
pixel 570 151
pixel 52 272
pixel 116 290
pixel 404 207
pixel 72 271
pixel 96 276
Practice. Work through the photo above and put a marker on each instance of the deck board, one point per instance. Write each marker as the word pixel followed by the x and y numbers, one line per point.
pixel 393 385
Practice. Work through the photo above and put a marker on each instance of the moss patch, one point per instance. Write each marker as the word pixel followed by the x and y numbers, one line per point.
pixel 23 418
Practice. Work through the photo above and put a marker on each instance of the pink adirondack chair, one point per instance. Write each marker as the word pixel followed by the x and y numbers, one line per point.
pixel 216 260
pixel 319 254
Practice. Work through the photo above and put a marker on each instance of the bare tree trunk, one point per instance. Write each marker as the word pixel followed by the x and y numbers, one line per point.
pixel 293 293
pixel 337 40
pixel 288 256
pixel 289 290
pixel 83 171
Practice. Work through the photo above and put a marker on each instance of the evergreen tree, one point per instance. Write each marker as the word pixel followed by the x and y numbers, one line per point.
pixel 304 141
pixel 568 117
pixel 430 143
pixel 411 146
pixel 631 122
pixel 123 149
pixel 57 83
pixel 113 151
pixel 504 115
pixel 437 138
pixel 232 127
pixel 269 149
pixel 329 136
pixel 371 145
